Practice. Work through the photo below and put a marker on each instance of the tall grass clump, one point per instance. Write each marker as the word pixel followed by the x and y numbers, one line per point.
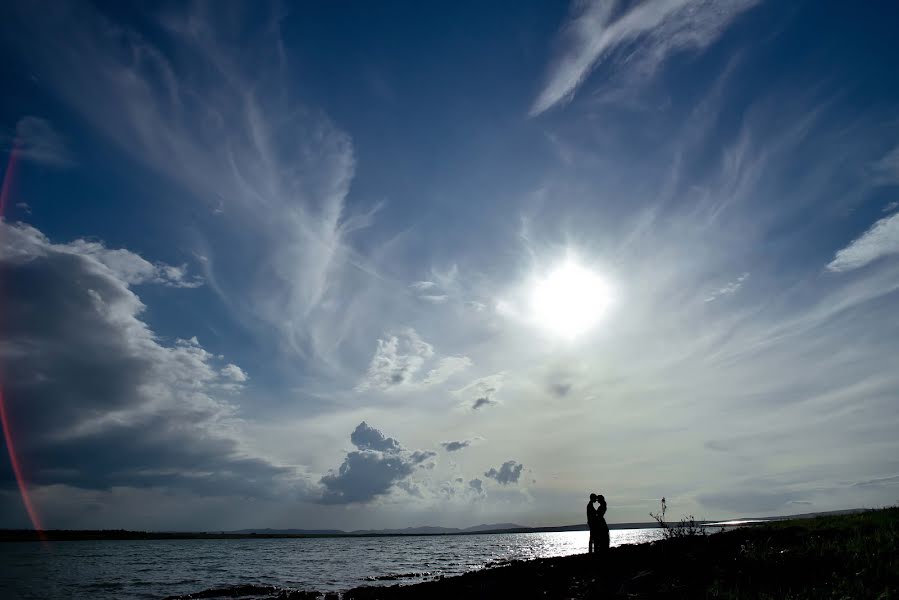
pixel 686 527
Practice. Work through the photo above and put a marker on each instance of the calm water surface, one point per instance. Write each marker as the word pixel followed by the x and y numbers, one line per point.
pixel 157 568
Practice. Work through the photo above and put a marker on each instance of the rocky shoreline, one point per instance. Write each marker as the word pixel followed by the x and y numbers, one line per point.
pixel 853 556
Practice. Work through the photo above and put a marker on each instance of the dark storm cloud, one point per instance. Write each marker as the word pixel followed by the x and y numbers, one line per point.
pixel 96 401
pixel 379 464
pixel 455 446
pixel 508 473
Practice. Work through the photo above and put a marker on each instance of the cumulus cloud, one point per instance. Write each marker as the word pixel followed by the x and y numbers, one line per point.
pixel 234 373
pixel 481 392
pixel 881 240
pixel 378 465
pixel 396 360
pixel 509 472
pixel 134 269
pixel 477 485
pixel 400 357
pixel 366 437
pixel 97 400
pixel 639 38
pixel 36 140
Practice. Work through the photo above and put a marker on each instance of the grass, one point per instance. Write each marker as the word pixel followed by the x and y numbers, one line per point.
pixel 850 556
pixel 835 557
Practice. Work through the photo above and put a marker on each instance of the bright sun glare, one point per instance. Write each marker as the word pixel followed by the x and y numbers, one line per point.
pixel 570 300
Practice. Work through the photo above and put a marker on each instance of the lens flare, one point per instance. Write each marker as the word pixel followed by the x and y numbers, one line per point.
pixel 4 416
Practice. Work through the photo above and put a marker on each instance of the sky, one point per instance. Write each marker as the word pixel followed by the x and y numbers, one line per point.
pixel 366 265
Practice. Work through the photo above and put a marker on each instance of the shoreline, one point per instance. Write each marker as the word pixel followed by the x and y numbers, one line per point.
pixel 854 556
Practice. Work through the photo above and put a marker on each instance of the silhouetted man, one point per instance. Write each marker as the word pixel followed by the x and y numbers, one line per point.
pixel 591 523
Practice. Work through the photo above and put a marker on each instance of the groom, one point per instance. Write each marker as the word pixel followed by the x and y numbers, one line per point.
pixel 591 524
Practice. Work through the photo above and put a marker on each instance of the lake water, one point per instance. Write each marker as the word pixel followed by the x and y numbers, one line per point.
pixel 158 568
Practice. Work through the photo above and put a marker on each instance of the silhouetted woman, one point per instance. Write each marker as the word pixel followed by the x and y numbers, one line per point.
pixel 600 532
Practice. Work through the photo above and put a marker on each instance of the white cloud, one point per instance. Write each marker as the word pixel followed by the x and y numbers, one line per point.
pixel 446 368
pixel 421 286
pixel 400 357
pixel 234 373
pixel 656 28
pixel 133 269
pixel 882 239
pixel 731 287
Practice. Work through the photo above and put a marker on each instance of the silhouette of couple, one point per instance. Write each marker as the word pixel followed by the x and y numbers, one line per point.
pixel 596 520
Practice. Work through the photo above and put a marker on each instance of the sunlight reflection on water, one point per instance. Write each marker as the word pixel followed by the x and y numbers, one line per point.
pixel 157 568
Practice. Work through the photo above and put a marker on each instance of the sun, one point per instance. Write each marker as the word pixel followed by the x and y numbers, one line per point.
pixel 570 300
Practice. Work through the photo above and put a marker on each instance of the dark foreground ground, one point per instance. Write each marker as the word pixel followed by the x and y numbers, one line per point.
pixel 854 556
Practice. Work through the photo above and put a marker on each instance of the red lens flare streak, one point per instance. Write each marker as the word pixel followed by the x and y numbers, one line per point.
pixel 4 417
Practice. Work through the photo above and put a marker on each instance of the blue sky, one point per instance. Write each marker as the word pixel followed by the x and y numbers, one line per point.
pixel 287 265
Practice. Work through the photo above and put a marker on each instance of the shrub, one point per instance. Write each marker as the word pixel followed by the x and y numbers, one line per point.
pixel 686 527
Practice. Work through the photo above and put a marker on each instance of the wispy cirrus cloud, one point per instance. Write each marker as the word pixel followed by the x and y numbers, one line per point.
pixel 273 173
pixel 731 287
pixel 38 141
pixel 881 240
pixel 598 30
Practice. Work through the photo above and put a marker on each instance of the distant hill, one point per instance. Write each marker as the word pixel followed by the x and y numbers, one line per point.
pixel 493 527
pixel 423 530
pixel 287 531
